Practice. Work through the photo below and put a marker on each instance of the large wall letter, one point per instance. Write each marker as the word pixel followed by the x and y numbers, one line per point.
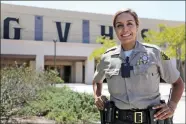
pixel 66 31
pixel 7 26
pixel 143 32
pixel 110 34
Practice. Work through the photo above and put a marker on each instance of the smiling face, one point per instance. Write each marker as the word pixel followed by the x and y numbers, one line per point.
pixel 126 28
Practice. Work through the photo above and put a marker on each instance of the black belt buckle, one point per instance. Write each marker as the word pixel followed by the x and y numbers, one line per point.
pixel 138 117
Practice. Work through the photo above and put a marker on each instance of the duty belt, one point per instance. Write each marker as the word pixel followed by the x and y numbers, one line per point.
pixel 134 116
pixel 111 113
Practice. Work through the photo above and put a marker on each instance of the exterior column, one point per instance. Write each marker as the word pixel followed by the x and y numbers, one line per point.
pixel 73 73
pixel 32 64
pixel 79 72
pixel 89 71
pixel 40 62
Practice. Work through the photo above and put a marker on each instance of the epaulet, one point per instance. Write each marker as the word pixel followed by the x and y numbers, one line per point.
pixel 163 55
pixel 151 46
pixel 110 49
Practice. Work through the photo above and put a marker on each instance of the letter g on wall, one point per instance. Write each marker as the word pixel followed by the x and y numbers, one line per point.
pixel 6 28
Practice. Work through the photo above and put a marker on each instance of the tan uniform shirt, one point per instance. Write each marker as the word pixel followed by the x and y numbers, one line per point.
pixel 141 89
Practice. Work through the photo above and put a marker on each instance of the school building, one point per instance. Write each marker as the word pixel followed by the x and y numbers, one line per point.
pixel 45 38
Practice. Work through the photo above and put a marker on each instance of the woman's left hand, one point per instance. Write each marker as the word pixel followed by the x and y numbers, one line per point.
pixel 164 112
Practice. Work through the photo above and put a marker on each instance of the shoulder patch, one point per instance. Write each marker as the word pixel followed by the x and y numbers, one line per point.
pixel 164 56
pixel 151 46
pixel 110 49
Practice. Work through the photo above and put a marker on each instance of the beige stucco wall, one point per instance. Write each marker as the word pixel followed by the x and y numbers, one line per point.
pixel 74 45
pixel 50 16
pixel 42 49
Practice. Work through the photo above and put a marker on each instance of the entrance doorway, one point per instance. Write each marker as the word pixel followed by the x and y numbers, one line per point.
pixel 67 74
pixel 64 72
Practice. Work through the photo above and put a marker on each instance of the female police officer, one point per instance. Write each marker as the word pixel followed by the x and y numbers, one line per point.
pixel 133 71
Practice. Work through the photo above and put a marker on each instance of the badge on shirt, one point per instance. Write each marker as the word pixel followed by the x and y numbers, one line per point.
pixel 144 59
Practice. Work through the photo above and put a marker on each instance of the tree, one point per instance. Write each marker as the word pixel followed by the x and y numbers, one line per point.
pixel 106 44
pixel 173 41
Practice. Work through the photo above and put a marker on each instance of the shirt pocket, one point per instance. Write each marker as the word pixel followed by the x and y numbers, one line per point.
pixel 112 72
pixel 143 69
pixel 140 69
pixel 147 77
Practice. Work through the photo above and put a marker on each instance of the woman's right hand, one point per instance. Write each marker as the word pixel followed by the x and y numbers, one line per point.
pixel 99 101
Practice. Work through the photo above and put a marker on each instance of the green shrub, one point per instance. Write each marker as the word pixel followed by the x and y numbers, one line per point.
pixel 20 85
pixel 63 105
pixel 52 76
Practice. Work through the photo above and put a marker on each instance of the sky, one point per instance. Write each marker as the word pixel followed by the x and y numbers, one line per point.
pixel 165 10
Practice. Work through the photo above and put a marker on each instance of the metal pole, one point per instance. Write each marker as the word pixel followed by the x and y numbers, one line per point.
pixel 55 54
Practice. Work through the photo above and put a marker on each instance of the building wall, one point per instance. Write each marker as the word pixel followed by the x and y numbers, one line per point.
pixel 51 16
pixel 39 28
pixel 42 49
